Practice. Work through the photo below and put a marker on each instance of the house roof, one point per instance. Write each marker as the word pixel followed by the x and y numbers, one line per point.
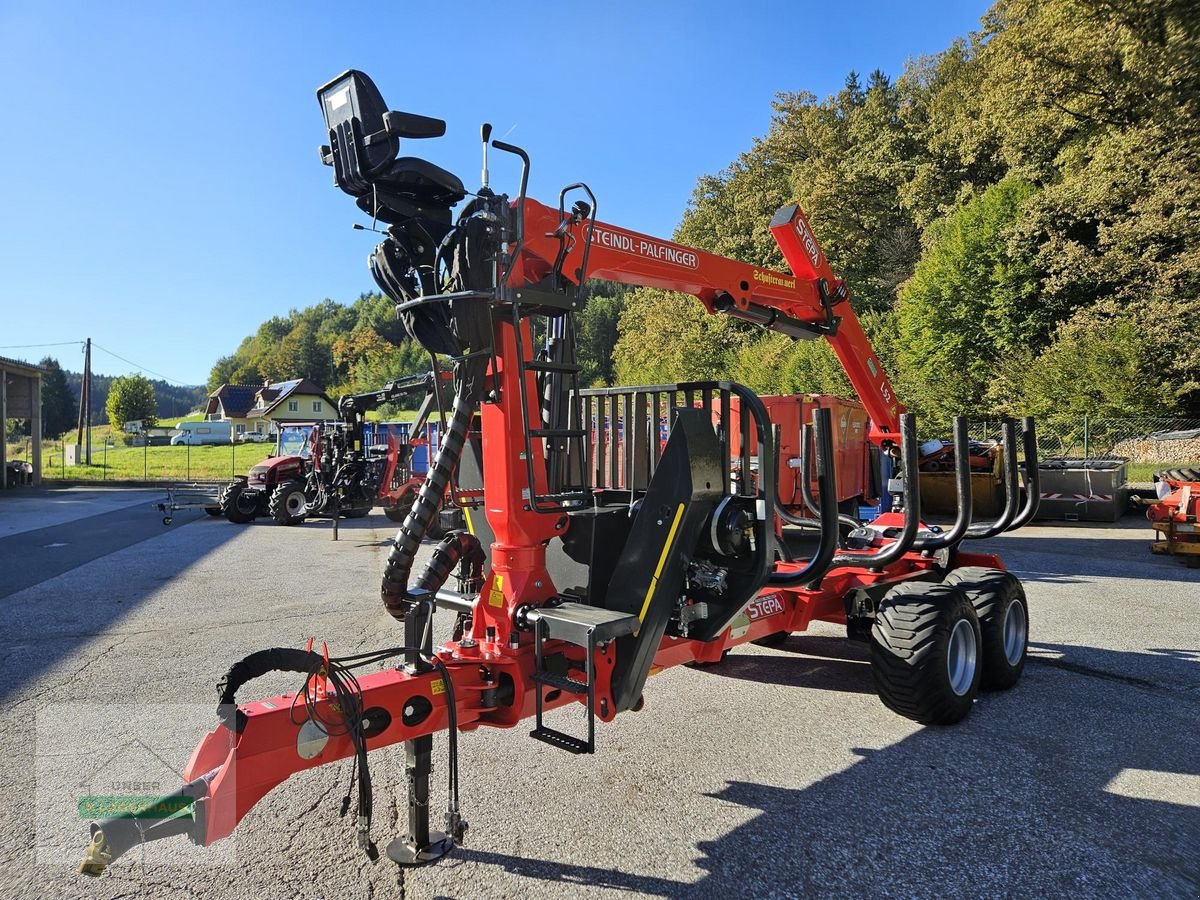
pixel 274 394
pixel 234 400
pixel 20 367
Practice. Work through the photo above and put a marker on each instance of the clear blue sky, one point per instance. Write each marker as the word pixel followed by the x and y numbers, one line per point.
pixel 161 186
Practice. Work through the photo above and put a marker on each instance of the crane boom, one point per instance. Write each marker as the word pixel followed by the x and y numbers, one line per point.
pixel 810 302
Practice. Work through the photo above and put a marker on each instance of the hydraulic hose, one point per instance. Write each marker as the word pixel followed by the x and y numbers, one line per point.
pixel 394 589
pixel 453 548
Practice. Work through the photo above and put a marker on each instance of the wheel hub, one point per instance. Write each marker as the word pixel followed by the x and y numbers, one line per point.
pixel 296 504
pixel 1015 629
pixel 961 653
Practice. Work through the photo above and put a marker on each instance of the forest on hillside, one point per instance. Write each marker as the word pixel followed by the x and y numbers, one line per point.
pixel 1017 218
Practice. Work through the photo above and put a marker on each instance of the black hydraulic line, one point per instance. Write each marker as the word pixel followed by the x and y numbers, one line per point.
pixel 454 547
pixel 1011 488
pixel 912 506
pixel 819 564
pixel 394 589
pixel 962 482
pixel 1033 484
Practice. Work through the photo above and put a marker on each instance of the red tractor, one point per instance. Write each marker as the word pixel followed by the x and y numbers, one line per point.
pixel 598 559
pixel 326 469
pixel 269 482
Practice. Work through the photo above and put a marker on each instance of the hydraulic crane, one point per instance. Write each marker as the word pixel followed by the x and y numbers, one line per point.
pixel 603 555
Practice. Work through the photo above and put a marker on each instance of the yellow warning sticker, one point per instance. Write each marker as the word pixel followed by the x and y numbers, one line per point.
pixel 436 686
pixel 496 597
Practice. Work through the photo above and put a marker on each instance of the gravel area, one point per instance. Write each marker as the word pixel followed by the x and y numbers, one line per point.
pixel 775 774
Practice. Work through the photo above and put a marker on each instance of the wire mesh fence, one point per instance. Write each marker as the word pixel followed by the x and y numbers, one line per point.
pixel 1147 444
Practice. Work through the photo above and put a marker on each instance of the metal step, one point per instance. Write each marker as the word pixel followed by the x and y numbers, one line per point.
pixel 584 626
pixel 580 624
pixel 560 740
pixel 562 682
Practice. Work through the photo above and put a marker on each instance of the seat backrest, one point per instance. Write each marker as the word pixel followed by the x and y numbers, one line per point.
pixel 354 108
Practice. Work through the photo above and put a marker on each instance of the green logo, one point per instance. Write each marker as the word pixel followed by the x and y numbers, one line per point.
pixel 92 808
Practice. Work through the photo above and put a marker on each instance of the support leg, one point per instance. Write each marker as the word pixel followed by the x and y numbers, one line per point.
pixel 420 845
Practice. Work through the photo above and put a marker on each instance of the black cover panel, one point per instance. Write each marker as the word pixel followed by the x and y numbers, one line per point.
pixel 649 576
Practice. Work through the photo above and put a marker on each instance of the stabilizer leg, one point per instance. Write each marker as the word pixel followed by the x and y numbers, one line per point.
pixel 420 846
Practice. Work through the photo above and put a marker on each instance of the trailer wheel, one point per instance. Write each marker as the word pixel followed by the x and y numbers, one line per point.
pixel 214 511
pixel 999 601
pixel 925 647
pixel 235 507
pixel 289 505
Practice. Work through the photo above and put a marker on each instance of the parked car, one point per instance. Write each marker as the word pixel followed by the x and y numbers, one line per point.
pixel 256 437
pixel 196 433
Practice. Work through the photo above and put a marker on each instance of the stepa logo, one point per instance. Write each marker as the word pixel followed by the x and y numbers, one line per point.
pixel 762 607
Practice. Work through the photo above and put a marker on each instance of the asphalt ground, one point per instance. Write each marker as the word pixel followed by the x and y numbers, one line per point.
pixel 775 774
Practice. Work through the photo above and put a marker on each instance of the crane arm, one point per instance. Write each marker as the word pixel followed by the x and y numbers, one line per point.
pixel 808 303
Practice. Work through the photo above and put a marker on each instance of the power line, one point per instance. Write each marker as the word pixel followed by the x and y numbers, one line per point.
pixel 32 346
pixel 139 368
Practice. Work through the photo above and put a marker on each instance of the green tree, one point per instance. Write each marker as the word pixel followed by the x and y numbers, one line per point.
pixel 60 411
pixel 972 298
pixel 131 397
pixel 667 337
pixel 597 328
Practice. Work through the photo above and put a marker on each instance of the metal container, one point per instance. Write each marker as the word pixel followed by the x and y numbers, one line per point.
pixel 1083 490
pixel 939 494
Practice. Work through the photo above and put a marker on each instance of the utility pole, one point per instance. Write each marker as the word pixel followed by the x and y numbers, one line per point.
pixel 85 404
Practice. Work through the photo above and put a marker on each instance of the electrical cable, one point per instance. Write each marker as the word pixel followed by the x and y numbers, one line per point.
pixel 34 346
pixel 347 700
pixel 139 368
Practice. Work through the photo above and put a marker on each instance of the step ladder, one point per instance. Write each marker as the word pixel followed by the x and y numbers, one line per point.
pixel 556 374
pixel 584 626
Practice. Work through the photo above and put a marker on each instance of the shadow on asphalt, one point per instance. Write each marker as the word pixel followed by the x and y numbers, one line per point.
pixel 1019 799
pixel 50 625
pixel 824 663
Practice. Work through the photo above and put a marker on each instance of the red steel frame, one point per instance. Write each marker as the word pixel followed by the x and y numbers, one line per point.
pixel 242 768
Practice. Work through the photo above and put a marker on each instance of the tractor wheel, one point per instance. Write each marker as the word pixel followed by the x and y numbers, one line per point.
pixel 235 506
pixel 289 504
pixel 399 511
pixel 925 647
pixel 999 601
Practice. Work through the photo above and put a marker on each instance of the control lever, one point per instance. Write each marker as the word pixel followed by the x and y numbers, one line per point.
pixel 485 134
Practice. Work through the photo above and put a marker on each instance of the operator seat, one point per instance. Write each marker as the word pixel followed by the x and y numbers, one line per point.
pixel 364 138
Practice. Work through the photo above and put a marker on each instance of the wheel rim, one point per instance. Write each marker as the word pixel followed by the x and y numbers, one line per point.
pixel 295 504
pixel 960 657
pixel 245 505
pixel 1015 629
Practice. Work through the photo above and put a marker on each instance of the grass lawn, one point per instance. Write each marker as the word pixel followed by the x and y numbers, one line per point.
pixel 120 463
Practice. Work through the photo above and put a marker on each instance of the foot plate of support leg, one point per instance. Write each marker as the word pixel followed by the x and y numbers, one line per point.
pixel 404 852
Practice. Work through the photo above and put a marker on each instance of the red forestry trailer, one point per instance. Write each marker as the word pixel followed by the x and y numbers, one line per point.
pixel 581 579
